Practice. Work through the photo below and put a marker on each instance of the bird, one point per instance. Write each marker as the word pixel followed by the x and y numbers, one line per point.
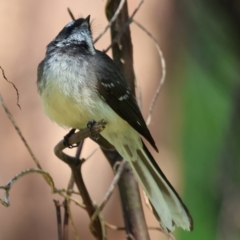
pixel 78 83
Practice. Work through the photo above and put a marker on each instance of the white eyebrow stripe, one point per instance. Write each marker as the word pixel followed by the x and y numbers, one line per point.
pixel 70 24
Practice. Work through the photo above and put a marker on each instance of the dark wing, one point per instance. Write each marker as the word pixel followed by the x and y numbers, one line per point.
pixel 113 87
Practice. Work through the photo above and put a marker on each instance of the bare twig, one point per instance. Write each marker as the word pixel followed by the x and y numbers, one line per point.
pixel 111 21
pixel 122 52
pixel 110 190
pixel 163 64
pixel 71 14
pixel 19 132
pixel 91 154
pixel 61 192
pixel 4 76
pixel 67 216
pixel 76 138
pixel 59 219
pixel 116 228
pixel 66 202
pixel 125 26
pixel 9 185
pixel 81 205
pixel 98 227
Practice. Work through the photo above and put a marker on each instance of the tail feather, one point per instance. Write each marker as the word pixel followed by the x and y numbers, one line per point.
pixel 167 205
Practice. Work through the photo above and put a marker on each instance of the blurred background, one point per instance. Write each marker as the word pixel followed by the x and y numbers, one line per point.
pixel 196 120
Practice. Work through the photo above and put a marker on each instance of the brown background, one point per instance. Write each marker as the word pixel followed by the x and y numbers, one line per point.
pixel 26 27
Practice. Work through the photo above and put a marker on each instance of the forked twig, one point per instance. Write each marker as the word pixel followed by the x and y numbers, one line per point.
pixel 163 64
pixel 111 21
pixel 124 26
pixel 98 227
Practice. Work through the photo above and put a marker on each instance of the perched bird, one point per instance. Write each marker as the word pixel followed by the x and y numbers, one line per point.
pixel 77 83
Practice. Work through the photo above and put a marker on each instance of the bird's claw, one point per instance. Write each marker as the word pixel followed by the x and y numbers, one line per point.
pixel 90 125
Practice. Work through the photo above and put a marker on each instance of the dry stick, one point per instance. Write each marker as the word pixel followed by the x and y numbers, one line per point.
pixel 135 224
pixel 71 14
pixel 163 64
pixel 9 185
pixel 110 190
pixel 17 128
pixel 59 219
pixel 155 97
pixel 4 76
pixel 91 154
pixel 111 21
pixel 46 176
pixel 116 228
pixel 67 216
pixel 66 202
pixel 125 26
pixel 19 132
pixel 66 205
pixel 75 164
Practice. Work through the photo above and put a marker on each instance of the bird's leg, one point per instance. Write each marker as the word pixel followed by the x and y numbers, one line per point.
pixel 67 136
pixel 90 125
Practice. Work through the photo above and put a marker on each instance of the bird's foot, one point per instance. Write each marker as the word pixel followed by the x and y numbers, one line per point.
pixel 90 125
pixel 66 139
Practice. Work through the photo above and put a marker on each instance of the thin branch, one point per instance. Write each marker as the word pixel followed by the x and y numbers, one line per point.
pixel 109 193
pixel 125 26
pixel 66 202
pixel 98 227
pixel 111 21
pixel 9 185
pixel 4 76
pixel 122 52
pixel 81 205
pixel 163 64
pixel 116 228
pixel 50 182
pixel 71 14
pixel 67 216
pixel 59 219
pixel 91 154
pixel 19 132
pixel 76 138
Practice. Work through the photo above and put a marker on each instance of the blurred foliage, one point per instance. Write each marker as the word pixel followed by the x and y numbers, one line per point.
pixel 208 73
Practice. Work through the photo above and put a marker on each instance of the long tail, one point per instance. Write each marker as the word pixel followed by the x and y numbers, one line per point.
pixel 167 205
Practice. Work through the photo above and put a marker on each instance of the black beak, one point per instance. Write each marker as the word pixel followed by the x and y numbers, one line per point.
pixel 87 19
